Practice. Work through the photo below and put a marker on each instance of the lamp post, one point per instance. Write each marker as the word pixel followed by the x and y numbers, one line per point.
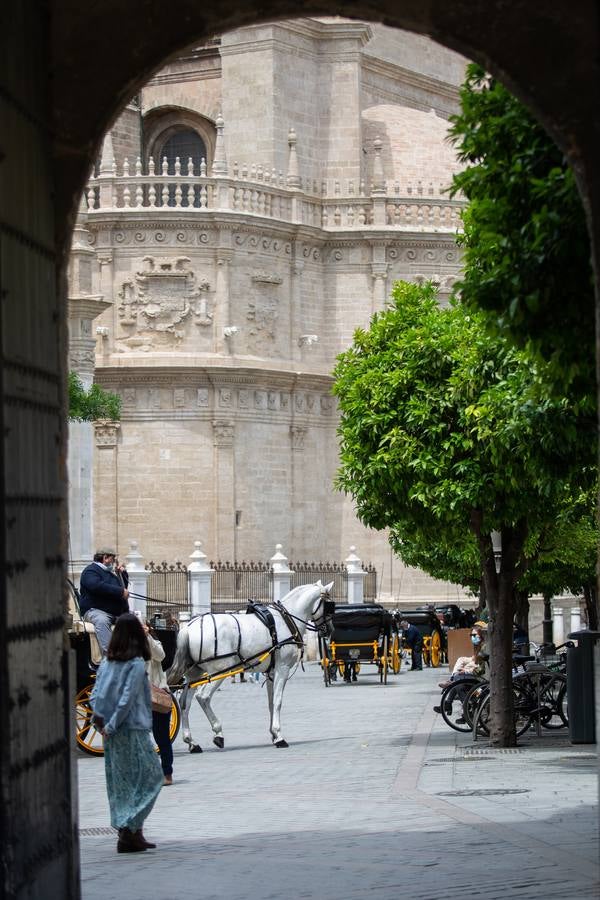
pixel 496 537
pixel 547 621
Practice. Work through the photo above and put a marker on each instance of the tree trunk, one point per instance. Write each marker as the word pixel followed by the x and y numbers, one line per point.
pixel 499 588
pixel 591 606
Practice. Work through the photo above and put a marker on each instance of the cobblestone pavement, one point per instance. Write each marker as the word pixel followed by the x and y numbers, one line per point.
pixel 375 795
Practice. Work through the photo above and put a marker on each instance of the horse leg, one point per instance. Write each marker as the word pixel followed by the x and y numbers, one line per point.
pixel 281 674
pixel 185 703
pixel 203 699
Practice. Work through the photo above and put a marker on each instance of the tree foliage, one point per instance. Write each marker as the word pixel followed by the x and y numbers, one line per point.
pixel 526 246
pixel 96 403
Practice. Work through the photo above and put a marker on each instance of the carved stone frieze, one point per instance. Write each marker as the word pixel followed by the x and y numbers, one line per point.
pixel 163 296
pixel 262 315
pixel 266 278
pixel 179 398
pixel 202 398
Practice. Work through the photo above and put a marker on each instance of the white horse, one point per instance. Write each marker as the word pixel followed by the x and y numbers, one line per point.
pixel 213 643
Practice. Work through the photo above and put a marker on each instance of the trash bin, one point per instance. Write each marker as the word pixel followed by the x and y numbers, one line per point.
pixel 580 687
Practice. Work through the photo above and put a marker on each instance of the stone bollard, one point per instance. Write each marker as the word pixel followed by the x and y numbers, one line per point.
pixel 200 581
pixel 356 577
pixel 281 574
pixel 138 579
pixel 558 633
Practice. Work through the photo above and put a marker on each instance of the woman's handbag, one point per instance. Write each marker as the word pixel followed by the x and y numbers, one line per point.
pixel 161 700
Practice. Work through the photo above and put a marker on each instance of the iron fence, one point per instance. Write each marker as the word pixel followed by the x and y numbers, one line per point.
pixel 168 589
pixel 233 584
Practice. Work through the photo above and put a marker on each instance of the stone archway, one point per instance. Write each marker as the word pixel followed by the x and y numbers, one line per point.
pixel 66 70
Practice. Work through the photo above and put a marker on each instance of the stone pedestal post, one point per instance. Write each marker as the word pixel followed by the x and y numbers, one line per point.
pixel 281 574
pixel 200 581
pixel 575 619
pixel 559 626
pixel 356 577
pixel 138 579
pixel 547 621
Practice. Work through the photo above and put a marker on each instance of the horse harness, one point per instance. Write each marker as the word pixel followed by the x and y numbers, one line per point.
pixel 264 615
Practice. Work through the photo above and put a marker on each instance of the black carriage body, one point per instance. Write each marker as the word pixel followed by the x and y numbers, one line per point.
pixel 357 628
pixel 80 643
pixel 425 620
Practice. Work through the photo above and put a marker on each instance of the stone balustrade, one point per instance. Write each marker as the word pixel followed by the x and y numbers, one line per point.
pixel 266 193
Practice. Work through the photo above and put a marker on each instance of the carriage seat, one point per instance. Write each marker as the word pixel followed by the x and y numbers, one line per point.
pixel 81 627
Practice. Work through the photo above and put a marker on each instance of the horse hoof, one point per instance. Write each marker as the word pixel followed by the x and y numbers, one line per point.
pixel 195 748
pixel 219 742
pixel 281 743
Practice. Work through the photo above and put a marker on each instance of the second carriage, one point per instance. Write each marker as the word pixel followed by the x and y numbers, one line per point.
pixel 361 634
pixel 432 633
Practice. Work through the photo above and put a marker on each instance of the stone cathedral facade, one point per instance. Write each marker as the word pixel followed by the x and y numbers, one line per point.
pixel 248 212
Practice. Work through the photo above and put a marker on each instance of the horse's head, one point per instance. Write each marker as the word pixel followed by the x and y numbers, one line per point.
pixel 323 608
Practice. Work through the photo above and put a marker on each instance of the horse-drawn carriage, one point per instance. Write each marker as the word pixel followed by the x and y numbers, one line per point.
pixel 432 633
pixel 87 657
pixel 360 635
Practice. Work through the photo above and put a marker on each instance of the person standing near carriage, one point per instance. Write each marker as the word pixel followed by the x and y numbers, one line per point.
pixel 121 704
pixel 160 720
pixel 412 638
pixel 103 589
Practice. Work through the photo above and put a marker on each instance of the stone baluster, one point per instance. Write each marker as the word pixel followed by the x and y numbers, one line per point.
pixel 203 168
pixel 200 581
pixel 281 574
pixel 378 188
pixel 203 197
pixel 236 170
pixel 165 166
pixel 151 166
pixel 356 577
pixel 138 579
pixel 190 167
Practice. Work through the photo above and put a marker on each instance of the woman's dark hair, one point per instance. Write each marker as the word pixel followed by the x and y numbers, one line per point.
pixel 128 640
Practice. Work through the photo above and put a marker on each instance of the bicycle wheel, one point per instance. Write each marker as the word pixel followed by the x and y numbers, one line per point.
pixel 451 706
pixel 87 735
pixel 522 711
pixel 472 700
pixel 553 701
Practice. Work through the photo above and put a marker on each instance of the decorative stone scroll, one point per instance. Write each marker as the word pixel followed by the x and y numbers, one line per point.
pixel 158 302
pixel 223 432
pixel 106 433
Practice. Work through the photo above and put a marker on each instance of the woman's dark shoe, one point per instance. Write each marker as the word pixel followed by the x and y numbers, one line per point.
pixel 129 842
pixel 146 844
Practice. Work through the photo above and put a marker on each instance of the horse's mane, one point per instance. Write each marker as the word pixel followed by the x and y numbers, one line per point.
pixel 297 590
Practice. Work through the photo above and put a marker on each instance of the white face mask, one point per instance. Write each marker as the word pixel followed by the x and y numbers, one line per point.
pixel 110 566
pixel 475 639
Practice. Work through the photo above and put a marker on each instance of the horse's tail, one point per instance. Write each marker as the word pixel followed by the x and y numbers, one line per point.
pixel 181 661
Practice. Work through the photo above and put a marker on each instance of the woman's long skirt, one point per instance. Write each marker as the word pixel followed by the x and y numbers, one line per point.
pixel 133 777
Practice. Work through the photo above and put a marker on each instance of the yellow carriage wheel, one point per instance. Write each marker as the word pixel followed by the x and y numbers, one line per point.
pixel 427 649
pixel 175 720
pixel 395 657
pixel 87 735
pixel 436 649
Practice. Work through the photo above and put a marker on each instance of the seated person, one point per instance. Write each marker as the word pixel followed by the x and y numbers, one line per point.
pixel 104 594
pixel 470 665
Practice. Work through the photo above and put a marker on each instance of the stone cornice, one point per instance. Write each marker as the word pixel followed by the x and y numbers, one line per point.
pixel 87 307
pixel 396 73
pixel 177 375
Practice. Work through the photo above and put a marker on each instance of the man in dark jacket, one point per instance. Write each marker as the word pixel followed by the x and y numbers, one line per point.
pixel 104 594
pixel 413 639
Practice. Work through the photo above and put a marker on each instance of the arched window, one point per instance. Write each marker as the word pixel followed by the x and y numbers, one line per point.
pixel 183 143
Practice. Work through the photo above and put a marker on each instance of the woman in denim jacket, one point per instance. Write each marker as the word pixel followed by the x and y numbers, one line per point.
pixel 122 712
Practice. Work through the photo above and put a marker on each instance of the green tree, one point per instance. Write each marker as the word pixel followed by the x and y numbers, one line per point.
pixel 446 428
pixel 96 403
pixel 526 246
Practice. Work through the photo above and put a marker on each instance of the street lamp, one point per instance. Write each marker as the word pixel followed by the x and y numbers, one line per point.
pixel 496 537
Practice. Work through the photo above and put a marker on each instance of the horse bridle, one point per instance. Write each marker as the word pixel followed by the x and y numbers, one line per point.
pixel 328 611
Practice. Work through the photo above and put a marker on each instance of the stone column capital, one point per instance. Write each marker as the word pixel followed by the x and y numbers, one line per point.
pixel 223 432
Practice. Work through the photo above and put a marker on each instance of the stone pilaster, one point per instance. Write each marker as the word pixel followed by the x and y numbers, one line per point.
pixel 223 306
pixel 224 481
